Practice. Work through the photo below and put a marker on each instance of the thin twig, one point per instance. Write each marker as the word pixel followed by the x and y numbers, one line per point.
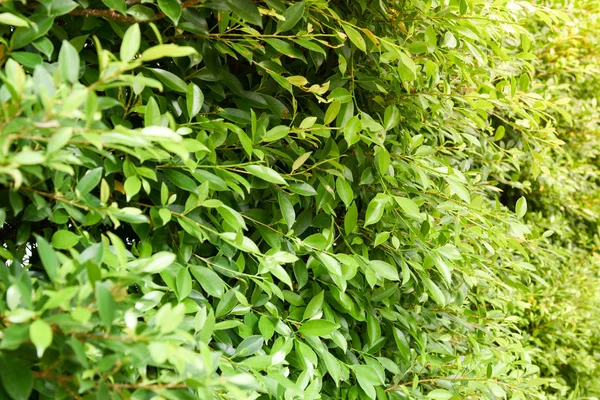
pixel 116 16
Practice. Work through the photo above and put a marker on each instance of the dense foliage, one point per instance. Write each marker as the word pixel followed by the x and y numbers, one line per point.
pixel 299 200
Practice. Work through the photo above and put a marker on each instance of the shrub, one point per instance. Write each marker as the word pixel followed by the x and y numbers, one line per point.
pixel 238 199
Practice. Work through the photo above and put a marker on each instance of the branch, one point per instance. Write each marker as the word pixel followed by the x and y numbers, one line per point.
pixel 395 386
pixel 64 380
pixel 115 16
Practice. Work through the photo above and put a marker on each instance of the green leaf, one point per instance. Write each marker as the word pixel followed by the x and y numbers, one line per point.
pixel 64 239
pixel 276 133
pixel 351 219
pixel 381 238
pixel 246 10
pixel 132 186
pixel 89 181
pixel 171 80
pixel 209 280
pixel 41 336
pixel 119 5
pixel 281 274
pixel 402 344
pixel 352 130
pixel 169 318
pixel 265 327
pixel 16 378
pixel 355 37
pixel 286 48
pixel 521 207
pixel 131 43
pixel 500 131
pixel 183 283
pixel 287 209
pixel 344 191
pixel 314 306
pixel 333 266
pixel 384 269
pixel 265 173
pixel 332 112
pixel 249 346
pixel 409 207
pixel 301 160
pixel 440 394
pixel 167 50
pixel 318 327
pixel 375 211
pixel 68 61
pixel 48 258
pixel 194 100
pixel 391 117
pixel 11 19
pixel 157 263
pixel 292 15
pixel 106 306
pixel 181 180
pixel 303 189
pixel 171 8
pixel 22 36
pixel 436 293
pixel 408 63
pixel 368 374
pixel 458 189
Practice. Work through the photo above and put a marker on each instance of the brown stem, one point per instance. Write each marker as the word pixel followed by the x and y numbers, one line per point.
pixel 64 379
pixel 392 388
pixel 116 16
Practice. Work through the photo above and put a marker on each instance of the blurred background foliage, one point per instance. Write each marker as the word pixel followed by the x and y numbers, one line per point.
pixel 299 200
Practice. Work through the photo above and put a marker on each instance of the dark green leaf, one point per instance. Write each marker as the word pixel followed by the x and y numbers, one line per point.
pixel 246 10
pixel 171 8
pixel 16 378
pixel 292 15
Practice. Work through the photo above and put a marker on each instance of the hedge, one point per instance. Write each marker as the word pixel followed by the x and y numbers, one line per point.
pixel 322 199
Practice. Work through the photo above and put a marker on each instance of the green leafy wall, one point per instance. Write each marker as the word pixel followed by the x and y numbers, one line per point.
pixel 298 200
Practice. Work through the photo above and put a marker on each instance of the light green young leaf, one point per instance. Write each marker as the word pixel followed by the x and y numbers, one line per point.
pixel 314 305
pixel 521 207
pixel 440 394
pixel 384 269
pixel 194 100
pixel 318 327
pixel 355 37
pixel 265 173
pixel 167 50
pixel 68 61
pixel 301 160
pixel 41 336
pixel 375 211
pixel 64 239
pixel 352 130
pixel 344 191
pixel 11 19
pixel 435 292
pixel 131 43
